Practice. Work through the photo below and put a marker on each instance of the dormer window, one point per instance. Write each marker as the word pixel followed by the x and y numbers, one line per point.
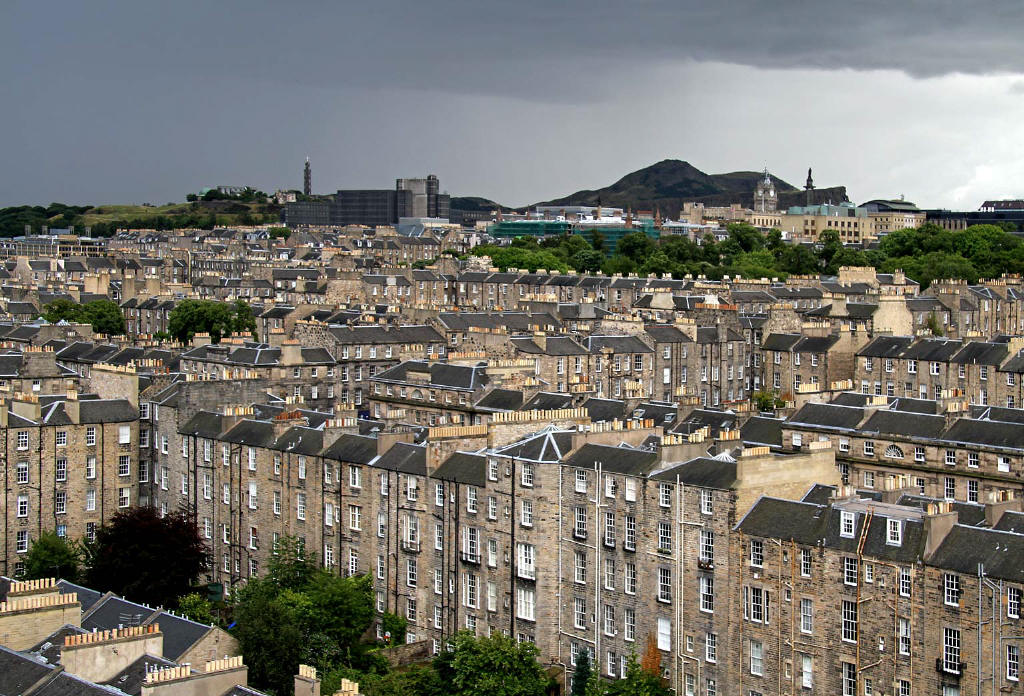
pixel 846 524
pixel 894 535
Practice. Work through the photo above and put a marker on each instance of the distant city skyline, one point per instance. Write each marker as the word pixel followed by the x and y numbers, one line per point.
pixel 119 103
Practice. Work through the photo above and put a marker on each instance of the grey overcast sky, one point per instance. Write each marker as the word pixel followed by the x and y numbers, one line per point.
pixel 131 102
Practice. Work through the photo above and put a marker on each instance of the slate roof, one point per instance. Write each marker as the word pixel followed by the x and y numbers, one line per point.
pixel 604 409
pixel 760 430
pixel 618 344
pixel 353 335
pixel 112 611
pixel 702 472
pixel 300 440
pixel 980 353
pixel 851 399
pixel 1014 364
pixel 442 375
pixel 91 411
pixel 666 334
pixel 990 433
pixel 204 424
pixel 250 432
pixel 816 344
pixel 51 647
pixel 714 334
pixel 501 400
pixel 819 494
pixel 828 415
pixel 463 467
pixel 553 345
pixel 131 678
pixel 404 458
pixel 512 321
pixel 662 413
pixel 902 423
pixel 967 513
pixel 616 460
pixel 925 406
pixel 810 524
pixel 180 633
pixel 87 596
pixel 20 672
pixel 967 547
pixel 548 401
pixel 698 418
pixel 1010 521
pixel 780 342
pixel 886 347
pixel 357 449
pixel 932 349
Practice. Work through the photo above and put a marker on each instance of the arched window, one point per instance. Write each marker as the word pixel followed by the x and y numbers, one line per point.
pixel 417 394
pixel 893 452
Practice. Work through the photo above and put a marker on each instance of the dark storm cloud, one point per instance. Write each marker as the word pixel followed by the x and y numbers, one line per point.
pixel 108 101
pixel 541 47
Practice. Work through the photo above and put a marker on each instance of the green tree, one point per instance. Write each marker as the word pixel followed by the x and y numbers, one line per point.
pixel 934 325
pixel 62 310
pixel 798 259
pixel 394 627
pixel 638 682
pixel 764 400
pixel 496 666
pixel 147 557
pixel 618 264
pixel 747 236
pixel 190 317
pixel 636 246
pixel 52 556
pixel 105 317
pixel 197 607
pixel 581 675
pixel 315 618
pixel 658 262
pixel 244 320
pixel 587 261
pixel 271 636
pixel 291 566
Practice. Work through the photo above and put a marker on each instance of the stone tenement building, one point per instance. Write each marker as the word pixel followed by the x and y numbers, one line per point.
pixel 981 372
pixel 575 461
pixel 70 463
pixel 751 571
pixel 949 451
pixel 842 593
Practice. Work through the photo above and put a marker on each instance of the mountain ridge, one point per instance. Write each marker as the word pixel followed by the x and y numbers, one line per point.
pixel 667 184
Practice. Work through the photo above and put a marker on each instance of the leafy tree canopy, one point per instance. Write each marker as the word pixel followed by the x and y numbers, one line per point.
pixel 315 617
pixel 52 556
pixel 103 315
pixel 496 666
pixel 218 319
pixel 197 607
pixel 146 557
pixel 924 254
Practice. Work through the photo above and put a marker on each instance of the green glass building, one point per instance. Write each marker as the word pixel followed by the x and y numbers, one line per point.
pixel 554 228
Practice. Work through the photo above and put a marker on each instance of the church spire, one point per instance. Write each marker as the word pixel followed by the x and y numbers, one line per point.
pixel 307 179
pixel 809 186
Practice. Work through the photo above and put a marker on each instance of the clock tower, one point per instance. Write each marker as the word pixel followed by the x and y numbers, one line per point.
pixel 766 199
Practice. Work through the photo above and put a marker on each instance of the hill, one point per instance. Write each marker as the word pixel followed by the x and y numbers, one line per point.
pixel 104 219
pixel 666 185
